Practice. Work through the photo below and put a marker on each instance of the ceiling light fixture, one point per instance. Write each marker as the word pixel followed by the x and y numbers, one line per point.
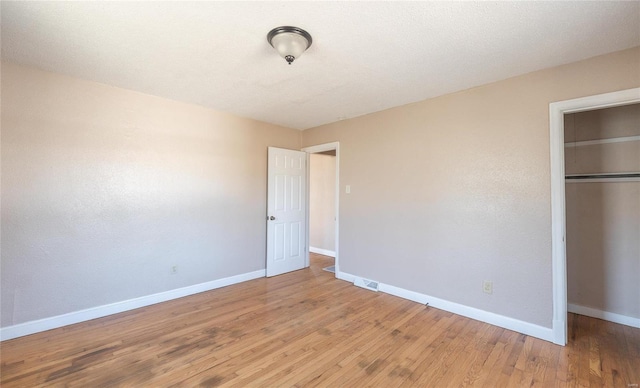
pixel 289 42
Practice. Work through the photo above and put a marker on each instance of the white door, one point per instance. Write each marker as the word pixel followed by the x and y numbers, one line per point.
pixel 286 211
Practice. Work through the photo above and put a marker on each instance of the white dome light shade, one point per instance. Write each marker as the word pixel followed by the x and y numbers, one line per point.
pixel 289 42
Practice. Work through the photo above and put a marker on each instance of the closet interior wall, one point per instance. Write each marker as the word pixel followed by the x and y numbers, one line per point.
pixel 603 215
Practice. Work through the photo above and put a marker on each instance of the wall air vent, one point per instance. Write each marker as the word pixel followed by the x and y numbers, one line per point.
pixel 368 284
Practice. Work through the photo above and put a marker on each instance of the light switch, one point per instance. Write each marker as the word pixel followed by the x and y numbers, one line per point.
pixel 347 189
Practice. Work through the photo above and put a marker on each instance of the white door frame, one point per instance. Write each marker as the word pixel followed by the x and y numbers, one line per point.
pixel 557 110
pixel 314 150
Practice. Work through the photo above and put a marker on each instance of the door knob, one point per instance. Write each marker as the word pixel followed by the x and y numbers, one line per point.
pixel 272 218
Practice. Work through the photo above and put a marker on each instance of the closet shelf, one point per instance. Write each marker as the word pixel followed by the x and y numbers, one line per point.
pixel 601 141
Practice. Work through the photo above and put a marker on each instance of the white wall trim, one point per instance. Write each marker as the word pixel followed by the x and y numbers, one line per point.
pixel 31 327
pixel 607 316
pixel 322 147
pixel 601 141
pixel 557 110
pixel 345 276
pixel 321 251
pixel 523 327
pixel 313 150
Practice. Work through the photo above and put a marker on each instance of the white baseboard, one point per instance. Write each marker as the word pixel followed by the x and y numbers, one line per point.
pixel 44 324
pixel 321 251
pixel 345 276
pixel 607 316
pixel 545 333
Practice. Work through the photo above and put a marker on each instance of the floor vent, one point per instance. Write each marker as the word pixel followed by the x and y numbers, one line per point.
pixel 368 284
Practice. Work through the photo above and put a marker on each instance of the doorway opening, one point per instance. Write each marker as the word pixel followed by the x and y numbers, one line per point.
pixel 557 111
pixel 323 171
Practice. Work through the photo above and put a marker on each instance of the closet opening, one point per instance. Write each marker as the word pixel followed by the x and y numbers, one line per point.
pixel 602 196
pixel 561 181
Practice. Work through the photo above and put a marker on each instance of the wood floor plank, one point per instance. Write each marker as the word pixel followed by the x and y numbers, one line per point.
pixel 308 329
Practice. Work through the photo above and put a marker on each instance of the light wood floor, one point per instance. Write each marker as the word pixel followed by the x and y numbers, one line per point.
pixel 308 329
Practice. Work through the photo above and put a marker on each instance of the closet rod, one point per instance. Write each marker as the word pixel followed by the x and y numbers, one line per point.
pixel 601 176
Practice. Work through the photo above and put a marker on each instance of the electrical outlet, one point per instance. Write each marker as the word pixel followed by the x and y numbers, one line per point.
pixel 174 270
pixel 487 286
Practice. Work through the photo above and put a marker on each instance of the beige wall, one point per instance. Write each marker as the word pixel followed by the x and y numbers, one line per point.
pixel 322 201
pixel 451 191
pixel 104 190
pixel 603 218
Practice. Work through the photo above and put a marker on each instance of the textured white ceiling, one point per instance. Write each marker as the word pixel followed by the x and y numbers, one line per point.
pixel 365 57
